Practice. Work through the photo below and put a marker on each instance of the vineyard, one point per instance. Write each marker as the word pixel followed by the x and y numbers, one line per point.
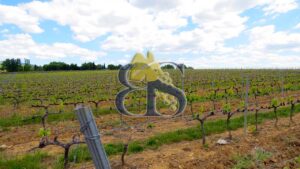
pixel 39 129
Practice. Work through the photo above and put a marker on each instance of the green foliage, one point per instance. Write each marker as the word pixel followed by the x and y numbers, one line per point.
pixel 230 92
pixel 242 105
pixel 44 132
pixel 275 102
pixel 88 66
pixel 191 98
pixel 212 96
pixel 12 65
pixel 291 99
pixel 226 108
pixel 254 90
pixel 201 110
pixel 150 126
pixel 168 66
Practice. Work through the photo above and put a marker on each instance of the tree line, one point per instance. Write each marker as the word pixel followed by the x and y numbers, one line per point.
pixel 15 65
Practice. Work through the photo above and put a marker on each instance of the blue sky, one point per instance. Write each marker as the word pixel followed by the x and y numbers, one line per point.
pixel 216 34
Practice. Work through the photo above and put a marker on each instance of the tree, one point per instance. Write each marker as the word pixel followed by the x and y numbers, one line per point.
pixel 74 67
pixel 56 66
pixel 168 67
pixel 113 67
pixel 12 65
pixel 37 68
pixel 101 67
pixel 27 66
pixel 88 66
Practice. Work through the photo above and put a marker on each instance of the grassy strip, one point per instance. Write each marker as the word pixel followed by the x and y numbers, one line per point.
pixel 188 134
pixel 18 120
pixel 193 133
pixel 30 161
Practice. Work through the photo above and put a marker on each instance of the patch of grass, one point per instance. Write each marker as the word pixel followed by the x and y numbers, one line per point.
pixel 18 120
pixel 206 146
pixel 112 149
pixel 29 161
pixel 135 147
pixel 297 159
pixel 249 161
pixel 261 155
pixel 243 162
pixel 150 126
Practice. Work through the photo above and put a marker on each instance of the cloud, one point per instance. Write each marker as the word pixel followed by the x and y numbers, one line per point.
pixel 266 39
pixel 297 26
pixel 89 19
pixel 280 6
pixel 23 46
pixel 166 27
pixel 267 48
pixel 18 16
pixel 123 19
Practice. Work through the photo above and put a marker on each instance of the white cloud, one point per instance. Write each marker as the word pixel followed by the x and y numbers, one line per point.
pixel 143 24
pixel 18 16
pixel 267 39
pixel 160 26
pixel 280 6
pixel 297 26
pixel 267 48
pixel 23 46
pixel 89 19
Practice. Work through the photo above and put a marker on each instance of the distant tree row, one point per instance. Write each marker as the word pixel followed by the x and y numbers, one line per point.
pixel 15 65
pixel 168 66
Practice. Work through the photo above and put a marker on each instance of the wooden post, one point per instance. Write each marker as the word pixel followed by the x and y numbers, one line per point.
pixel 89 128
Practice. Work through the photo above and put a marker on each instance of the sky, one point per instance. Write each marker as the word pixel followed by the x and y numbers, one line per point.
pixel 202 34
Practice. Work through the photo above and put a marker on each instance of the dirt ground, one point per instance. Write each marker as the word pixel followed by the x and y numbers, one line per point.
pixel 283 144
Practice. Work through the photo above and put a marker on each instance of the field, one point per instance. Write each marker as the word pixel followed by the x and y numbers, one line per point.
pixel 38 127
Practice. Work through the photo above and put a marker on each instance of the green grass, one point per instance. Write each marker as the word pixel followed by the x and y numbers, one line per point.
pixel 18 120
pixel 30 161
pixel 297 159
pixel 249 161
pixel 243 162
